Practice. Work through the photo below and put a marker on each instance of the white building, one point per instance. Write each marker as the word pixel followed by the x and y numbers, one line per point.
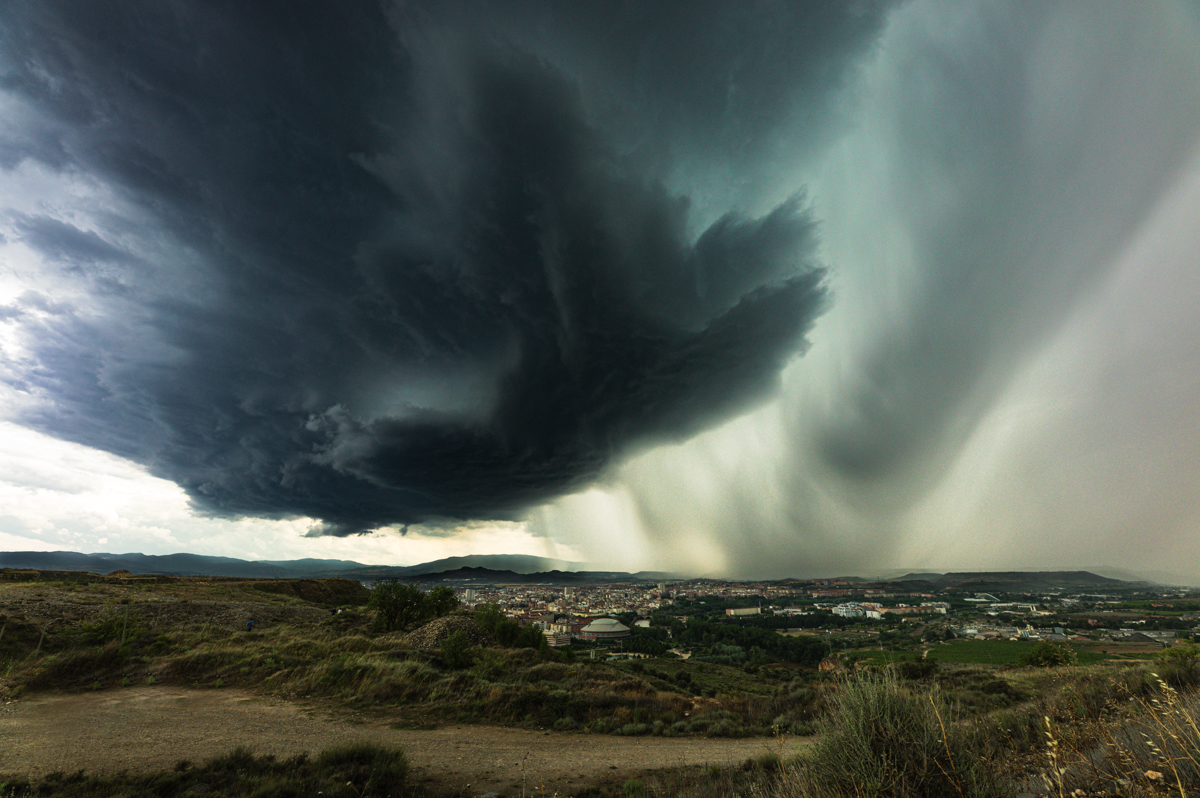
pixel 604 629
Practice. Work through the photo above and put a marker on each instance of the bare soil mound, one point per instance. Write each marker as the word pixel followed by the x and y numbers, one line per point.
pixel 434 633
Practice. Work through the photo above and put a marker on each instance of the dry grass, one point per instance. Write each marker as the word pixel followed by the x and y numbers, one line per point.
pixel 1147 744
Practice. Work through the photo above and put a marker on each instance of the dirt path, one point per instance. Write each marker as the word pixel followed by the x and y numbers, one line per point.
pixel 151 728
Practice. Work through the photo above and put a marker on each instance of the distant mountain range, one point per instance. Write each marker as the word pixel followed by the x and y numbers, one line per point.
pixel 516 568
pixel 506 569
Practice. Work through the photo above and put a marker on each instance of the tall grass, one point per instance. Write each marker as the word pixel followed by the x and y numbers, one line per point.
pixel 885 738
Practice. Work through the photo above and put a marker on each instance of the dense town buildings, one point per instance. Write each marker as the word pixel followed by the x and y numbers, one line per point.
pixel 564 613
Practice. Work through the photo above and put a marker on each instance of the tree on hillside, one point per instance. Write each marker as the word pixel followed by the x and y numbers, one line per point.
pixel 441 601
pixel 508 633
pixel 396 605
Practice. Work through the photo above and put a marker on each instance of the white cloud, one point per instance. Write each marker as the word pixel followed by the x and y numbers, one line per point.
pixel 56 495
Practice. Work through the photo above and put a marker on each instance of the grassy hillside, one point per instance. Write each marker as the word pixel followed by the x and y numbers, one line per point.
pixel 93 633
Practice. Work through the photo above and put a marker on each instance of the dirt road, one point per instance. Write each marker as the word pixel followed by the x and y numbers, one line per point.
pixel 151 728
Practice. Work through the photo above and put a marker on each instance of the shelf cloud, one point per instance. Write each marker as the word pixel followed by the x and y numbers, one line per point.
pixel 375 265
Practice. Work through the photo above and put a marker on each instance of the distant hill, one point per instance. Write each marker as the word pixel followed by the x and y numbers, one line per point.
pixel 917 577
pixel 553 577
pixel 512 568
pixel 166 564
pixel 1028 581
pixel 500 568
pixel 517 563
pixel 1012 581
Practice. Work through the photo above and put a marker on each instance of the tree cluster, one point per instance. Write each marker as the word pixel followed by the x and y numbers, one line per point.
pixel 508 633
pixel 399 606
pixel 698 632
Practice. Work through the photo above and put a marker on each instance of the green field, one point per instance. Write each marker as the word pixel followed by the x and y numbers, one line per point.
pixel 997 652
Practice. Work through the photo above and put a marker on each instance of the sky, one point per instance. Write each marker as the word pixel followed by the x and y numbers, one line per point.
pixel 743 289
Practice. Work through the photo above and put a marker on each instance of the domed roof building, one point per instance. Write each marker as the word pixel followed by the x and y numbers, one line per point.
pixel 604 629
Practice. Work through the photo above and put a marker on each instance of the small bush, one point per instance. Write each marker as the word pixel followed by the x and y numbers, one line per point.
pixel 490 668
pixel 548 672
pixel 1045 654
pixel 727 728
pixel 79 666
pixel 915 669
pixel 369 767
pixel 1179 666
pixel 109 626
pixel 677 729
pixel 456 651
pixel 1017 730
pixel 768 761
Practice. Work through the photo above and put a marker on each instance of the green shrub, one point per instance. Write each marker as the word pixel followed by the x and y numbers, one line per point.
pixel 395 604
pixel 1017 730
pixel 79 666
pixel 548 672
pixel 109 626
pixel 369 767
pixel 727 728
pixel 508 633
pixel 456 651
pixel 634 788
pixel 1045 654
pixel 768 761
pixel 677 729
pixel 490 668
pixel 915 669
pixel 1178 665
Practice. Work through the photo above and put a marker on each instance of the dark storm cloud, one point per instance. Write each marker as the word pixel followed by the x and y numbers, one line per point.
pixel 380 267
pixel 65 243
pixel 704 84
